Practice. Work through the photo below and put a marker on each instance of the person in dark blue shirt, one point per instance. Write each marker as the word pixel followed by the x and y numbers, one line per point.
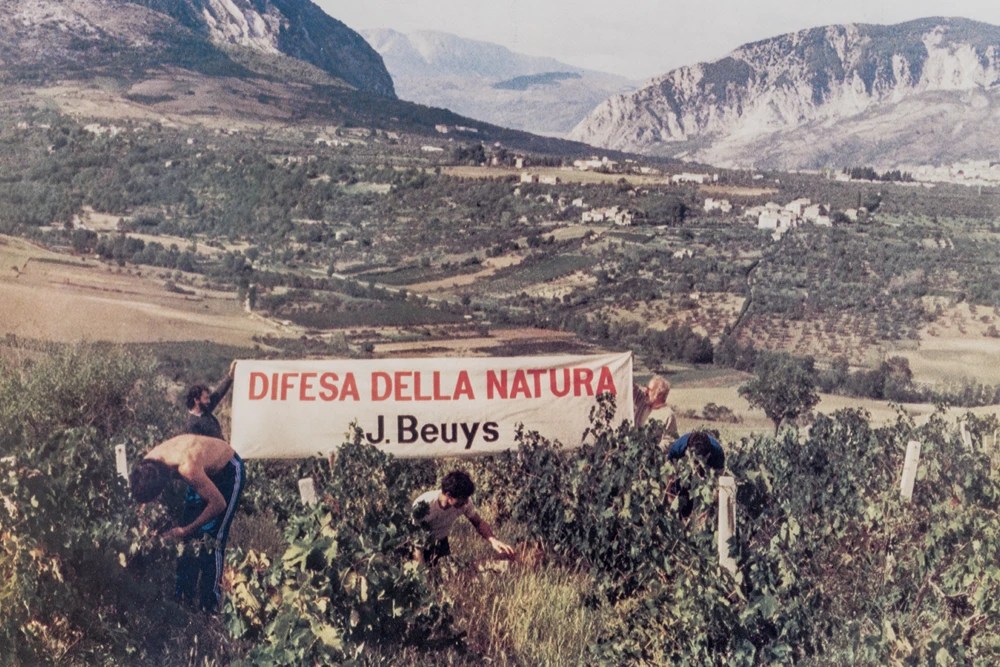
pixel 707 450
pixel 701 443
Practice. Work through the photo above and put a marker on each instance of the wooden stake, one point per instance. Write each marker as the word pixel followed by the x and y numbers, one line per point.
pixel 121 461
pixel 910 470
pixel 307 491
pixel 727 521
pixel 966 438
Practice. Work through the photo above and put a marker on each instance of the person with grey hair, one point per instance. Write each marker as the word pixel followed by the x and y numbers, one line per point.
pixel 653 397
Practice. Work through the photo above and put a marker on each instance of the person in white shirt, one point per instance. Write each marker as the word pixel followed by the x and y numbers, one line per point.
pixel 437 510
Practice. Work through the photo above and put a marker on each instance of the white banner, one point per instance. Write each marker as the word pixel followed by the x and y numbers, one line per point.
pixel 420 407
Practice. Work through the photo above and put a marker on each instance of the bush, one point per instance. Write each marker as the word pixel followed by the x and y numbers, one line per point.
pixel 76 582
pixel 347 580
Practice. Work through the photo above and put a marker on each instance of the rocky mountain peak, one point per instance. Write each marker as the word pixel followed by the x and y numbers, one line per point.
pixel 296 28
pixel 818 96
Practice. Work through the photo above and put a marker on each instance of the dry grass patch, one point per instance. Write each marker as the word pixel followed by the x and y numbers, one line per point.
pixel 48 296
pixel 957 346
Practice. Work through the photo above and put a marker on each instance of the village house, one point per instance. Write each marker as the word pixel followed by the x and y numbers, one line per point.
pixel 687 177
pixel 818 215
pixel 546 179
pixel 797 206
pixel 616 214
pixel 781 220
pixel 721 205
pixel 595 163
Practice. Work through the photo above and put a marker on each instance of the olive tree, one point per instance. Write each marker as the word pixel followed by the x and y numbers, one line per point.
pixel 784 387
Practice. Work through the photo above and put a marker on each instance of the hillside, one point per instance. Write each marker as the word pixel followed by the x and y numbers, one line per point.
pixel 222 65
pixel 492 83
pixel 922 92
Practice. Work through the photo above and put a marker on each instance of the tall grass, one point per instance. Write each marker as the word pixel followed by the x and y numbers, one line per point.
pixel 528 617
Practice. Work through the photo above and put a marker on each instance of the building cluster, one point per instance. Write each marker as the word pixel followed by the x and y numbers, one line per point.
pixel 596 164
pixel 969 172
pixel 616 214
pixel 546 179
pixel 688 177
pixel 781 218
pixel 446 129
pixel 606 165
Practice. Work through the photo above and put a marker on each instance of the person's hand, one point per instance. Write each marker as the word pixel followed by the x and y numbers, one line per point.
pixel 174 534
pixel 501 547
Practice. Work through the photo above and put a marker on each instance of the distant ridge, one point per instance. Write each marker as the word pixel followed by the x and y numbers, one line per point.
pixel 920 92
pixel 490 82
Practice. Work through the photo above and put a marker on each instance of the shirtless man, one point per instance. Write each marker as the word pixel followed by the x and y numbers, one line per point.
pixel 215 477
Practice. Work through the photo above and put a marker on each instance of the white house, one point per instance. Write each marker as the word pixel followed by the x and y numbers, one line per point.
pixel 797 206
pixel 777 220
pixel 687 177
pixel 722 205
pixel 616 214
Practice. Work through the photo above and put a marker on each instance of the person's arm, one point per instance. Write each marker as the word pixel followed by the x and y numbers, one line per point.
pixel 486 533
pixel 215 504
pixel 223 389
pixel 638 405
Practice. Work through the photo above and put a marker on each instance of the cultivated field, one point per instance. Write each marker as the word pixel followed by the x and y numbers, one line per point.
pixel 50 296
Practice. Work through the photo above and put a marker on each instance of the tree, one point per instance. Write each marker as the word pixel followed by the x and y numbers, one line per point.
pixel 784 388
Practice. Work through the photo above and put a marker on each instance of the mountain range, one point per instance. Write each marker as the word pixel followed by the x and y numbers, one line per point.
pixel 226 63
pixel 921 92
pixel 46 39
pixel 916 93
pixel 492 83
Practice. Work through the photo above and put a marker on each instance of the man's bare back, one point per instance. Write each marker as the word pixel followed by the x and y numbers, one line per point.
pixel 194 458
pixel 191 452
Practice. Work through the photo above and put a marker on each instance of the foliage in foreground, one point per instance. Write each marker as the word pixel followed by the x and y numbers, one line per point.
pixel 80 581
pixel 346 581
pixel 833 567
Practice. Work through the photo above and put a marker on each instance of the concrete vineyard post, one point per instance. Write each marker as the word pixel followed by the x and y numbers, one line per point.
pixel 307 491
pixel 910 469
pixel 727 521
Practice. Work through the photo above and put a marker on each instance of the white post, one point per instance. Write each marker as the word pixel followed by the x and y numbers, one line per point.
pixel 121 461
pixel 910 470
pixel 966 438
pixel 307 491
pixel 727 521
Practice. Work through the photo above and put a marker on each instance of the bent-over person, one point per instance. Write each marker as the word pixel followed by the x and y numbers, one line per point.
pixel 437 510
pixel 215 476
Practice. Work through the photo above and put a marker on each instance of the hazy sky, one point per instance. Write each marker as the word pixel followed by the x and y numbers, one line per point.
pixel 636 38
